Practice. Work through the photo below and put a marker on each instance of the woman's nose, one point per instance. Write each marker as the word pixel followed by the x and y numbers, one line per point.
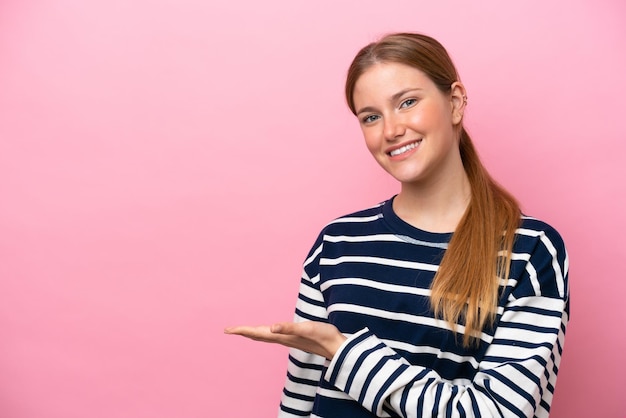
pixel 394 128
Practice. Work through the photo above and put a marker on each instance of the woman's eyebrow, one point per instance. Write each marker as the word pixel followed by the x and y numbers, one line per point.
pixel 366 109
pixel 393 98
pixel 401 93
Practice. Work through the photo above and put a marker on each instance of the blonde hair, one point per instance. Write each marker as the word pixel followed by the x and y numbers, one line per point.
pixel 465 289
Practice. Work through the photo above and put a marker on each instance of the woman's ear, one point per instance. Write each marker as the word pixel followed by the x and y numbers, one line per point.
pixel 458 100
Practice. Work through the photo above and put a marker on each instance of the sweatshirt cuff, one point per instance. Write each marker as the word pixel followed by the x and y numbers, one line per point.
pixel 335 368
pixel 364 367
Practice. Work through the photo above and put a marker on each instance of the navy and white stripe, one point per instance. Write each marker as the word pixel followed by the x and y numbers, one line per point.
pixel 370 273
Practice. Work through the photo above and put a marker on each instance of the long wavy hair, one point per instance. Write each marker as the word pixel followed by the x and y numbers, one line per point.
pixel 465 289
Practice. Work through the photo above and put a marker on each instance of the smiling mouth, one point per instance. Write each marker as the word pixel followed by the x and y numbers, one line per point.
pixel 405 148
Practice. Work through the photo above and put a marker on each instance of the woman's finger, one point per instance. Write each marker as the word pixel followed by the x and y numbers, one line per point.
pixel 287 328
pixel 250 332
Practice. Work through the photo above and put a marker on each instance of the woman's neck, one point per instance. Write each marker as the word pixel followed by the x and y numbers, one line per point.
pixel 437 206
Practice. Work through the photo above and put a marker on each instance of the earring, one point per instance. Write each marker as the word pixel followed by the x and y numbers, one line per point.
pixel 464 99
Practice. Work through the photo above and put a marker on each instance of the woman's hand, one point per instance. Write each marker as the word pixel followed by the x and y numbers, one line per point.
pixel 314 337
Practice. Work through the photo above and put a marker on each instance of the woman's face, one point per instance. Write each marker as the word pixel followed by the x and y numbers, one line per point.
pixel 409 125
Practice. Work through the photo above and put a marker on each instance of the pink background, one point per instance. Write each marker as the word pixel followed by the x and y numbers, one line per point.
pixel 165 166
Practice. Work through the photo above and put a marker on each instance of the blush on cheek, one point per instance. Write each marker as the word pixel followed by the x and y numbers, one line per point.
pixel 371 146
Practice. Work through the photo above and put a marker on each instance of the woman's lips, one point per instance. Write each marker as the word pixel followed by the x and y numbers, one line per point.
pixel 405 148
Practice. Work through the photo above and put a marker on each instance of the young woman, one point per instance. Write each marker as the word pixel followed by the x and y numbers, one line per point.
pixel 443 301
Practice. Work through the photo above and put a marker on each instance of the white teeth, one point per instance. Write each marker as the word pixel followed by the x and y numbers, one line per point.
pixel 404 148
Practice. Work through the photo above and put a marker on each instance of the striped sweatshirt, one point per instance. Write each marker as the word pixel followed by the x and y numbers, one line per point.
pixel 369 274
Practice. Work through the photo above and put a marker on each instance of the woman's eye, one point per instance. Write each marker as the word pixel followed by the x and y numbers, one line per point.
pixel 370 118
pixel 408 103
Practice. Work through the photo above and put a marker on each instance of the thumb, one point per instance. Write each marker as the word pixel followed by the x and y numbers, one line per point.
pixel 281 328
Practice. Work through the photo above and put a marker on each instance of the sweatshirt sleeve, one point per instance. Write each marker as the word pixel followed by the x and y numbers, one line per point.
pixel 516 378
pixel 304 370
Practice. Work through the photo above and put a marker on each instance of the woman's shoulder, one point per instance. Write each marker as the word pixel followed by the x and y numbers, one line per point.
pixel 544 266
pixel 536 229
pixel 369 214
pixel 363 221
